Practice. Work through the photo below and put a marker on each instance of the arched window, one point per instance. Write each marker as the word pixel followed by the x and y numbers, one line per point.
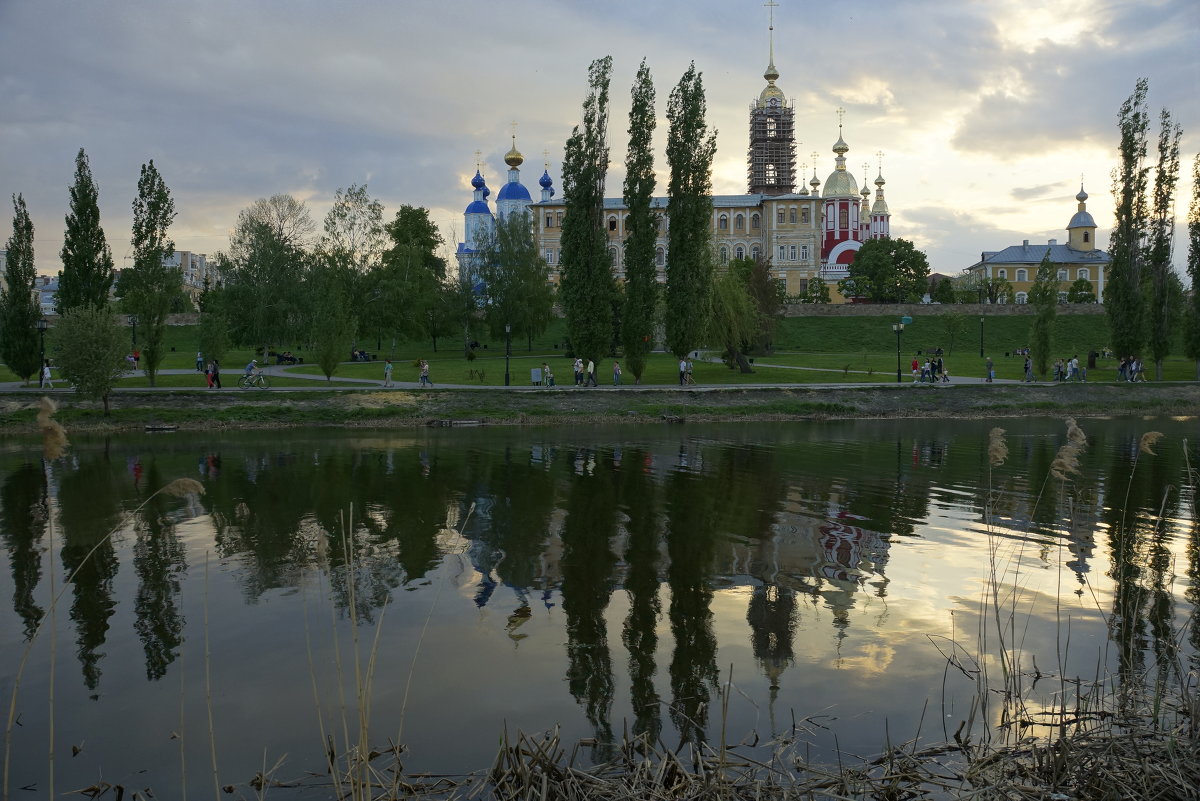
pixel 612 224
pixel 1083 273
pixel 739 252
pixel 612 255
pixel 739 222
pixel 755 252
pixel 724 255
pixel 1022 275
pixel 1062 275
pixel 660 257
pixel 1022 298
pixel 1002 273
pixel 723 222
pixel 754 222
pixel 1087 236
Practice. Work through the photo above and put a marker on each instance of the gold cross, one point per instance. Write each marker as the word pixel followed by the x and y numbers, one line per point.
pixel 841 112
pixel 879 154
pixel 478 162
pixel 546 157
pixel 772 5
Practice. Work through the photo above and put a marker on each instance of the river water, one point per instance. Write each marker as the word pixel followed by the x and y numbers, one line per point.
pixel 614 580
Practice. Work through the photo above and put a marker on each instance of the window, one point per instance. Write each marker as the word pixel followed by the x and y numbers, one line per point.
pixel 612 256
pixel 1084 273
pixel 724 255
pixel 1062 275
pixel 612 224
pixel 804 216
pixel 1002 273
pixel 558 219
pixel 782 252
pixel 844 217
pixel 549 256
pixel 779 216
pixel 754 222
pixel 804 253
pixel 803 286
pixel 792 253
pixel 1087 236
pixel 739 222
pixel 1022 298
pixel 739 252
pixel 792 214
pixel 549 220
pixel 660 257
pixel 1062 297
pixel 723 222
pixel 755 252
pixel 1022 275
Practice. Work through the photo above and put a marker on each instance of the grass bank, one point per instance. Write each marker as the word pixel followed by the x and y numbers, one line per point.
pixel 399 408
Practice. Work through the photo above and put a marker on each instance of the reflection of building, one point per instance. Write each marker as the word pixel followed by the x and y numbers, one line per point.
pixel 1079 258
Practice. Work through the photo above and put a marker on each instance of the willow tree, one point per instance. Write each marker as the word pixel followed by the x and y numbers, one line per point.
pixel 19 307
pixel 690 149
pixel 87 273
pixel 587 281
pixel 641 229
pixel 1161 285
pixel 1043 296
pixel 1122 289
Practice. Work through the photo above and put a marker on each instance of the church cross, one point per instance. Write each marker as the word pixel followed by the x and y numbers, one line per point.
pixel 841 112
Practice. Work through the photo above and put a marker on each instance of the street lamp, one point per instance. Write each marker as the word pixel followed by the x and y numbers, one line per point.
pixel 133 333
pixel 981 337
pixel 507 350
pixel 898 328
pixel 42 325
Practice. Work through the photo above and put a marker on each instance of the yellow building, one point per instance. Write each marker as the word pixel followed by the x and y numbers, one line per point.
pixel 1078 258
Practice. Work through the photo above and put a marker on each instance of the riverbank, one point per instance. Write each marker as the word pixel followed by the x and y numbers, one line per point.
pixel 405 408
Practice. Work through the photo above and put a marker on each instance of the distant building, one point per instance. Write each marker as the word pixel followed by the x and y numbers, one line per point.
pixel 197 273
pixel 1078 258
pixel 46 288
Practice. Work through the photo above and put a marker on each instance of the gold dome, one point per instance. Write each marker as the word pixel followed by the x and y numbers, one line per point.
pixel 513 158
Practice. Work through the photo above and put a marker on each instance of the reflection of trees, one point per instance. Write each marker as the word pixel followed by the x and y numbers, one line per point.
pixel 22 524
pixel 772 618
pixel 639 501
pixel 587 569
pixel 89 508
pixel 159 561
pixel 691 513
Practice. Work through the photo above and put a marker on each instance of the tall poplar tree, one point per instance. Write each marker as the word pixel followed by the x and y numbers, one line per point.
pixel 1043 296
pixel 19 308
pixel 641 226
pixel 1122 290
pixel 1192 315
pixel 87 273
pixel 151 284
pixel 690 149
pixel 587 281
pixel 1161 294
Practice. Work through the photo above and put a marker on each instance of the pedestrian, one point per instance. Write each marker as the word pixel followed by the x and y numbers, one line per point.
pixel 688 371
pixel 425 382
pixel 616 374
pixel 591 374
pixel 547 376
pixel 916 369
pixel 208 375
pixel 991 370
pixel 1028 369
pixel 682 372
pixel 387 373
pixel 47 383
pixel 216 373
pixel 137 358
pixel 578 371
pixel 199 362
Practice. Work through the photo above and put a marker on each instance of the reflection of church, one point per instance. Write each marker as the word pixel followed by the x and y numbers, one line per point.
pixel 804 231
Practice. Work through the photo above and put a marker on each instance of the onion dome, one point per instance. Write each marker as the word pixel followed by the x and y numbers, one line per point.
pixel 478 207
pixel 545 182
pixel 815 182
pixel 880 206
pixel 840 147
pixel 477 181
pixel 513 158
pixel 513 190
pixel 879 180
pixel 486 192
pixel 1082 218
pixel 1082 196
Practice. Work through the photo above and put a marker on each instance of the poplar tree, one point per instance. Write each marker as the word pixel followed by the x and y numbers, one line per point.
pixel 587 283
pixel 690 149
pixel 641 284
pixel 1043 296
pixel 1192 314
pixel 19 308
pixel 87 273
pixel 151 285
pixel 1161 293
pixel 1122 290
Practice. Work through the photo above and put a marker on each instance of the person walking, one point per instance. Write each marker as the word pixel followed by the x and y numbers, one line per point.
pixel 387 373
pixel 216 374
pixel 208 375
pixel 425 382
pixel 137 358
pixel 682 372
pixel 591 374
pixel 578 371
pixel 616 374
pixel 47 382
pixel 1028 370
pixel 547 376
pixel 990 367
pixel 199 362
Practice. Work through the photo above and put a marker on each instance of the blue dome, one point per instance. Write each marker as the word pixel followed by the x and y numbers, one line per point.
pixel 477 181
pixel 513 191
pixel 486 191
pixel 478 207
pixel 1081 220
pixel 545 181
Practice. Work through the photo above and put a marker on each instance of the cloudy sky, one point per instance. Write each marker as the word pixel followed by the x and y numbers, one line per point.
pixel 987 112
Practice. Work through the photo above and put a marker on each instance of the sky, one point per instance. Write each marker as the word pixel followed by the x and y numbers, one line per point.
pixel 988 113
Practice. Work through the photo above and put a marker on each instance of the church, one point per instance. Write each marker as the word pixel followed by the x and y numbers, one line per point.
pixel 805 231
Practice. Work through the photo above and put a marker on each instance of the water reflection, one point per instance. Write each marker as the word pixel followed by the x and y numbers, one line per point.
pixel 607 554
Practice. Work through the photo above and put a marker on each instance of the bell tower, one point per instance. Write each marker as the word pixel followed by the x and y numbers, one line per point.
pixel 772 158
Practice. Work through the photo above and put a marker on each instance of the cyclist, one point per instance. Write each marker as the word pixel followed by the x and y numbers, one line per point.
pixel 252 369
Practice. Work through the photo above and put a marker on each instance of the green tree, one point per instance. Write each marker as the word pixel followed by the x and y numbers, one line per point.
pixel 767 293
pixel 1161 310
pixel 996 290
pixel 516 279
pixel 407 295
pixel 354 229
pixel 1192 320
pixel 690 149
pixel 148 288
pixel 87 273
pixel 1080 291
pixel 19 307
pixel 214 332
pixel 1043 296
pixel 586 286
pixel 954 324
pixel 887 271
pixel 332 324
pixel 734 321
pixel 943 292
pixel 1122 290
pixel 641 226
pixel 818 291
pixel 89 346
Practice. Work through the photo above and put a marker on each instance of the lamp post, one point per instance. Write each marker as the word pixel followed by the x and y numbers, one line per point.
pixel 42 325
pixel 981 337
pixel 898 328
pixel 132 333
pixel 507 350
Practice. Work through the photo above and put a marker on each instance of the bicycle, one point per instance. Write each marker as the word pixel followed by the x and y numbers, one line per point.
pixel 259 380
